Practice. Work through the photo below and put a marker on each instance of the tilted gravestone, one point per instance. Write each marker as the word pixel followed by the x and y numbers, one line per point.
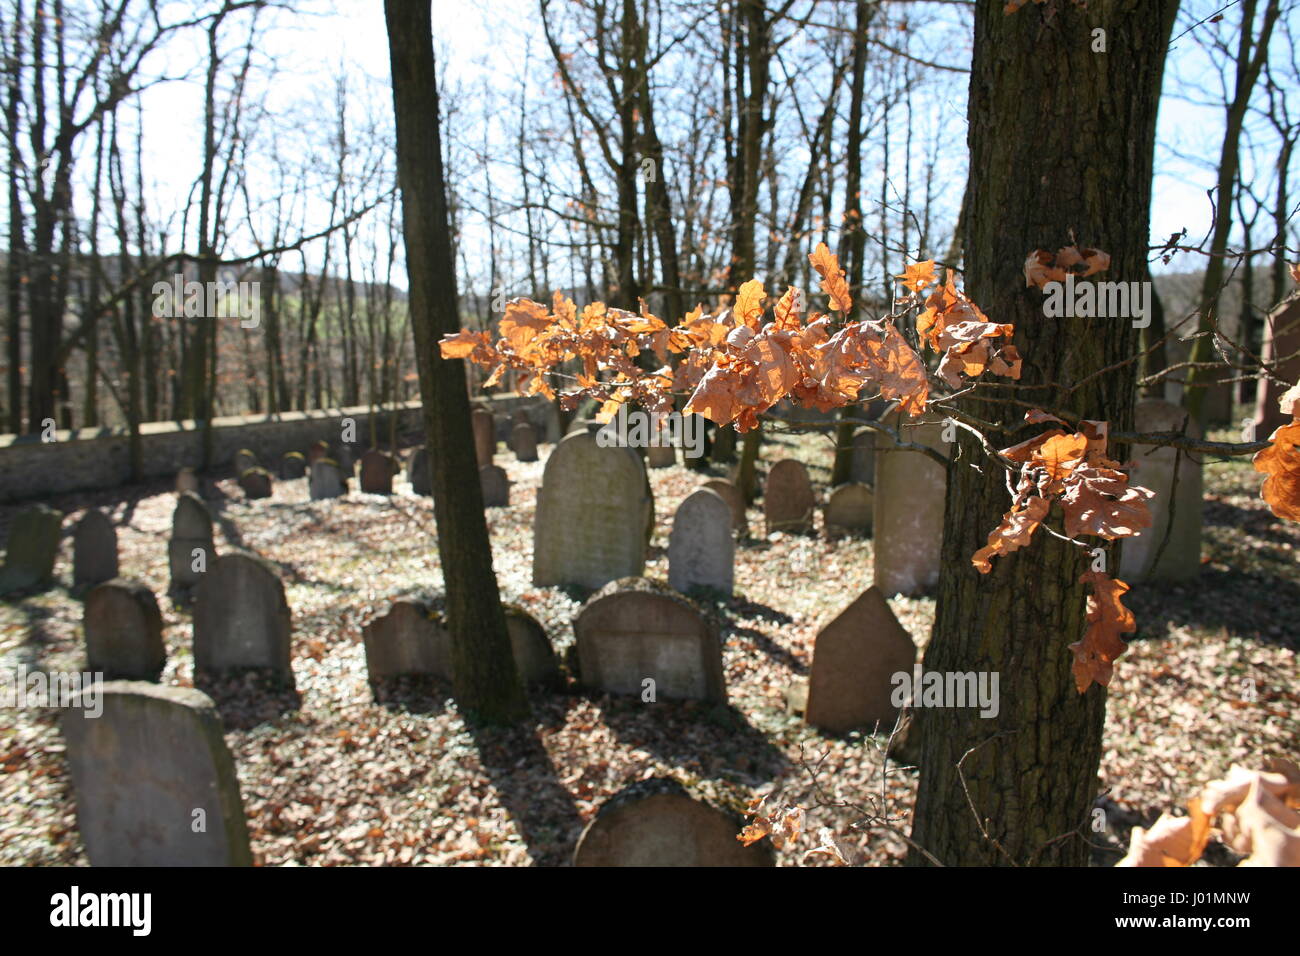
pixel 862 463
pixel 495 485
pixel 244 460
pixel 701 547
pixel 94 549
pixel 190 552
pixel 854 659
pixel 634 630
pixel 420 471
pixel 411 639
pixel 734 499
pixel 377 471
pixel 1176 510
pixel 907 511
pixel 326 480
pixel 485 435
pixel 594 513
pixel 849 509
pixel 657 822
pixel 241 618
pixel 123 629
pixel 257 483
pixel 293 465
pixel 788 498
pixel 154 782
pixel 523 439
pixel 34 538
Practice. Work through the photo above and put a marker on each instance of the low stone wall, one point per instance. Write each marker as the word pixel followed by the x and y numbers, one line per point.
pixel 93 458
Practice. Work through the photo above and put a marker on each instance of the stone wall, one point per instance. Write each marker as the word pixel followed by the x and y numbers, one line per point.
pixel 93 458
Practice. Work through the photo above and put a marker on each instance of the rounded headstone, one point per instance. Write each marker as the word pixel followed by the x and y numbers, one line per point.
pixel 420 471
pixel 190 550
pixel 33 546
pixel 293 465
pixel 523 439
pixel 257 483
pixel 788 498
pixel 241 618
pixel 94 549
pixel 907 510
pixel 734 499
pixel 326 480
pixel 495 485
pixel 123 629
pixel 701 546
pixel 377 471
pixel 1176 508
pixel 849 509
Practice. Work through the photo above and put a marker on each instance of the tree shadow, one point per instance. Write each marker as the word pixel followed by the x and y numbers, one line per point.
pixel 249 697
pixel 1227 600
pixel 423 694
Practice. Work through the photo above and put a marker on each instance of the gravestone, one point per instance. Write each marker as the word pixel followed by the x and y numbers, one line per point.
pixel 257 483
pixel 420 471
pixel 495 485
pixel 1175 509
pixel 788 499
pixel 849 509
pixel 661 456
pixel 346 462
pixel 1282 353
pixel 701 546
pixel 147 771
pixel 94 549
pixel 123 629
pixel 485 435
pixel 594 512
pixel 326 480
pixel 657 822
pixel 633 630
pixel 377 471
pixel 187 480
pixel 317 450
pixel 862 462
pixel 854 659
pixel 241 618
pixel 191 532
pixel 735 501
pixel 244 460
pixel 407 640
pixel 907 511
pixel 293 465
pixel 34 538
pixel 523 439
pixel 518 417
pixel 534 655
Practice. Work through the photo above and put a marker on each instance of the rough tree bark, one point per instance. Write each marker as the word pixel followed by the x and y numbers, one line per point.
pixel 487 683
pixel 1061 138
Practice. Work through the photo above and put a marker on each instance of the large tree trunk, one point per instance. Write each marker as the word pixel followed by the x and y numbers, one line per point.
pixel 487 684
pixel 1061 139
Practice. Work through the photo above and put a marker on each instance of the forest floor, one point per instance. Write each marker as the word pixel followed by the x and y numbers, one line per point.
pixel 332 777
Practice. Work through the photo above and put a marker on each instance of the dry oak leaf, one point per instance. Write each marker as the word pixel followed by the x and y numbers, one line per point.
pixel 1289 400
pixel 1099 501
pixel 1108 618
pixel 918 275
pixel 1281 463
pixel 833 282
pixel 1015 532
pixel 1171 841
pixel 828 848
pixel 749 303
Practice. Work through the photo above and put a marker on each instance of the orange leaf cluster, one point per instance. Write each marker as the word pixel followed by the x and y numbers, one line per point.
pixel 1071 467
pixel 782 824
pixel 1042 267
pixel 954 325
pixel 1108 618
pixel 1280 462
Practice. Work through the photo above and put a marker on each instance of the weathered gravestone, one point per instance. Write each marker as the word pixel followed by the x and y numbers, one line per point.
pixel 907 511
pixel 485 435
pixel 257 483
pixel 190 553
pixel 862 462
pixel 34 538
pixel 377 471
pixel 241 618
pixel 94 549
pixel 317 450
pixel 634 630
pixel 293 465
pixel 244 460
pixel 523 439
pixel 855 658
pixel 1282 353
pixel 123 628
pixel 411 639
pixel 520 416
pixel 154 782
pixel 326 480
pixel 788 499
pixel 594 511
pixel 849 509
pixel 701 547
pixel 495 485
pixel 1176 506
pixel 420 471
pixel 346 461
pixel 657 822
pixel 187 480
pixel 735 501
